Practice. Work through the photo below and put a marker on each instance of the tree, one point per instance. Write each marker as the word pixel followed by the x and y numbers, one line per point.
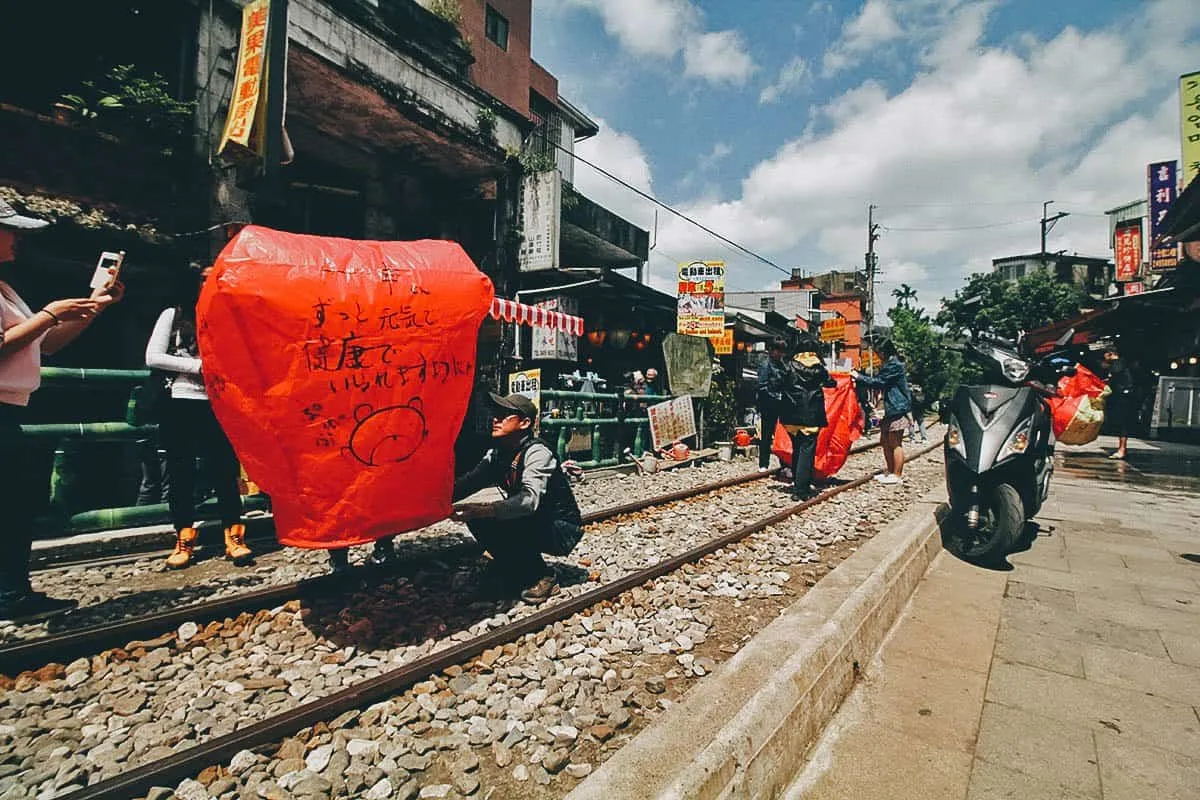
pixel 928 360
pixel 1008 308
pixel 905 296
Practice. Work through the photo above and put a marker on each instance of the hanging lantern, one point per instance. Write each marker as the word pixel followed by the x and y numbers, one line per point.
pixel 639 345
pixel 618 339
pixel 596 338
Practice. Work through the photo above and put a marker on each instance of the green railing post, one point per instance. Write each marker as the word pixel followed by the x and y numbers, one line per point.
pixel 564 435
pixel 62 478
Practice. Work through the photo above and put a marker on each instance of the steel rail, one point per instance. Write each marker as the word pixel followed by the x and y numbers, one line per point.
pixel 189 762
pixel 64 648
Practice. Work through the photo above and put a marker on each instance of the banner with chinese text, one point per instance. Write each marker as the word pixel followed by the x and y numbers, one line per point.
pixel 528 384
pixel 723 344
pixel 1162 189
pixel 700 309
pixel 672 421
pixel 1128 244
pixel 833 330
pixel 1189 115
pixel 552 343
pixel 249 83
pixel 1135 288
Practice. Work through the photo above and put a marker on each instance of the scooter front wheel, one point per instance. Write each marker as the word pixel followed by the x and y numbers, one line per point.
pixel 1001 519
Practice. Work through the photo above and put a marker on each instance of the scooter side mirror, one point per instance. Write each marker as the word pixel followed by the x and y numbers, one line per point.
pixel 1066 338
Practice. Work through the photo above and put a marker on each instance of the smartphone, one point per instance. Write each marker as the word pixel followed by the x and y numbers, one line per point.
pixel 107 270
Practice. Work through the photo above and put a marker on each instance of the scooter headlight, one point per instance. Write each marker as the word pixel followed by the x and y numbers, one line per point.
pixel 954 440
pixel 1015 370
pixel 1017 444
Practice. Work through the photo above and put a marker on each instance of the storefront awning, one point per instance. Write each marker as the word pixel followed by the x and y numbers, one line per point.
pixel 535 317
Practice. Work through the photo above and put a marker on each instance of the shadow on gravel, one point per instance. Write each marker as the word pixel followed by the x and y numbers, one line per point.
pixel 445 596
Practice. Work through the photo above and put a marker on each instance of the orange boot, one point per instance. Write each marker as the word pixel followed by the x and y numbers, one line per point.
pixel 235 545
pixel 185 543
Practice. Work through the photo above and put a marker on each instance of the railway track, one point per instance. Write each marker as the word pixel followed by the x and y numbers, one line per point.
pixel 62 648
pixel 190 761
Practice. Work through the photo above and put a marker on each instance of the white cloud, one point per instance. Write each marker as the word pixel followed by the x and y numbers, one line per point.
pixel 621 155
pixel 664 28
pixel 790 78
pixel 940 29
pixel 719 152
pixel 976 142
pixel 719 57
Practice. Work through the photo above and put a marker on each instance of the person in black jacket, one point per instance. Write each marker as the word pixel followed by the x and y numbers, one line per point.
pixel 772 378
pixel 803 413
pixel 1124 405
pixel 538 514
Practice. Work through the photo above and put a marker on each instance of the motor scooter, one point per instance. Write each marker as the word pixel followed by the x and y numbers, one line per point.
pixel 999 449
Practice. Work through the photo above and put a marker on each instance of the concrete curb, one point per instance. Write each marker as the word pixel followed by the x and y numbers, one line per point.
pixel 745 731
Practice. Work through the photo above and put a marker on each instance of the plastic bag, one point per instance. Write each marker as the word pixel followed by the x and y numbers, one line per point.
pixel 834 440
pixel 1078 413
pixel 341 371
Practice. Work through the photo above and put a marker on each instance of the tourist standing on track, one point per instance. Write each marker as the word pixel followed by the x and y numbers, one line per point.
pixel 773 377
pixel 897 404
pixel 803 411
pixel 24 336
pixel 538 513
pixel 187 428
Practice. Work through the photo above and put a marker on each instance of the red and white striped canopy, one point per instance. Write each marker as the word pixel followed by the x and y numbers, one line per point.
pixel 535 317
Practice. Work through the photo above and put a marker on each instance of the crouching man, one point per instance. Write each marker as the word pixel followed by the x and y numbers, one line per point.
pixel 538 513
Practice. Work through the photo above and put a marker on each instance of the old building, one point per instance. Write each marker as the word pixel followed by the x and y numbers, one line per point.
pixel 1093 276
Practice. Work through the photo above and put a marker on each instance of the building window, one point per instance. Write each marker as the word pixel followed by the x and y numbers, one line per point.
pixel 766 303
pixel 495 26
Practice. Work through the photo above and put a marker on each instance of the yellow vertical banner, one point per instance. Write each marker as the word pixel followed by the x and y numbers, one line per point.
pixel 250 81
pixel 1189 116
pixel 723 344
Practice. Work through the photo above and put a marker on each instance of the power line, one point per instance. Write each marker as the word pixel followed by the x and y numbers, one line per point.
pixel 740 248
pixel 961 228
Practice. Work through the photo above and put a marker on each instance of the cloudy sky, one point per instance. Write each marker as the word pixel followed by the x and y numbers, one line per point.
pixel 777 122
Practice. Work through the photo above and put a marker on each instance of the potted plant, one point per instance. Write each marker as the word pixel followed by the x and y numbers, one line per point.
pixel 85 106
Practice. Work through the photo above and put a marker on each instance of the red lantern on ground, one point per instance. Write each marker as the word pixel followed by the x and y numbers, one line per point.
pixel 742 438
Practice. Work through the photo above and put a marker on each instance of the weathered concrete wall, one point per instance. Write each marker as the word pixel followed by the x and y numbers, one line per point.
pixel 318 27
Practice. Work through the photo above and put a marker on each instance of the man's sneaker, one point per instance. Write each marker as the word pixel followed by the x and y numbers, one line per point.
pixel 339 560
pixel 540 591
pixel 31 606
pixel 383 552
pixel 889 479
pixel 185 545
pixel 235 545
pixel 764 469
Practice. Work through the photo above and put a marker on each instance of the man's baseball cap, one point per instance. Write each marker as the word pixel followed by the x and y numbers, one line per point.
pixel 9 218
pixel 516 403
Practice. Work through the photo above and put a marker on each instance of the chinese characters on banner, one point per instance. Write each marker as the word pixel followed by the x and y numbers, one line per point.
pixel 833 330
pixel 1161 180
pixel 723 344
pixel 1135 288
pixel 1189 115
pixel 541 211
pixel 701 304
pixel 551 343
pixel 249 82
pixel 671 422
pixel 528 384
pixel 1128 244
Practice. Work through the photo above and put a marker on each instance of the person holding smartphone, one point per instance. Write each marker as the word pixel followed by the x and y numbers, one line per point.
pixel 189 428
pixel 25 335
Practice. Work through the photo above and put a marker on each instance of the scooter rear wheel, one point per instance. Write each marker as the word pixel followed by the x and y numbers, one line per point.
pixel 1001 519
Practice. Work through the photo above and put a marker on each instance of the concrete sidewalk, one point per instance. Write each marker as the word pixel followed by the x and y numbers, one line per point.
pixel 1075 675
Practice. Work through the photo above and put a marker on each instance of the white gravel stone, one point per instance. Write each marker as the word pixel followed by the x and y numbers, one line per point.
pixel 318 759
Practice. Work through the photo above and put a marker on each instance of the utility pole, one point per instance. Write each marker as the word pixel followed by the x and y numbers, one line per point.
pixel 872 261
pixel 1048 222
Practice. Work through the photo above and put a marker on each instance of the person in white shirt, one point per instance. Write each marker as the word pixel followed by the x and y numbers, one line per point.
pixel 187 428
pixel 24 336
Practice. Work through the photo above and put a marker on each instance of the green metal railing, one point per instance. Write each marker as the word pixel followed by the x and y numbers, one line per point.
pixel 71 437
pixel 616 429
